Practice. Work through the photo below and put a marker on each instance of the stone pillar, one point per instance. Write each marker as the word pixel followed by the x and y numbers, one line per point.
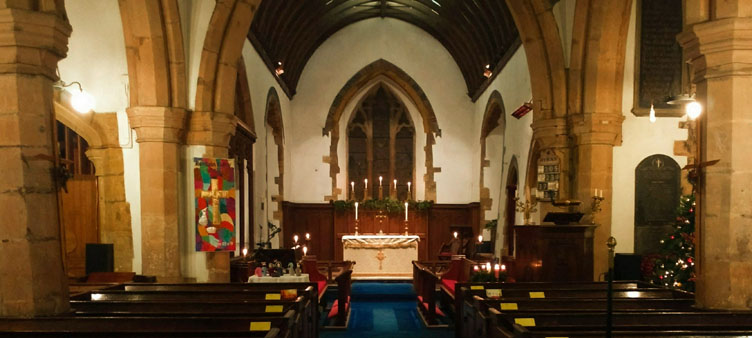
pixel 595 136
pixel 720 51
pixel 159 133
pixel 33 38
pixel 214 130
pixel 551 134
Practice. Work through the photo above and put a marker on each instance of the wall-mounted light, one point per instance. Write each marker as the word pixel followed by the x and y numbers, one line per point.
pixel 80 100
pixel 652 114
pixel 487 72
pixel 694 109
pixel 279 70
pixel 523 109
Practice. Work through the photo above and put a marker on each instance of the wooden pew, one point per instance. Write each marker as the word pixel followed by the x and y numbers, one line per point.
pixel 425 280
pixel 152 326
pixel 684 324
pixel 341 306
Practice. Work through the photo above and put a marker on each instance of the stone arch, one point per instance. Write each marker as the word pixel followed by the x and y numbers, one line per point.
pixel 410 88
pixel 273 118
pixel 101 133
pixel 243 105
pixel 493 117
pixel 512 182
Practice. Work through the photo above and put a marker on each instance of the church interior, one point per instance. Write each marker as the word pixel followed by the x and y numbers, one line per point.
pixel 375 168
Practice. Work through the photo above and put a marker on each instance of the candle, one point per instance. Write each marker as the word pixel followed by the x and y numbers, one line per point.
pixel 488 267
pixel 356 210
pixel 307 236
pixel 408 189
pixel 395 185
pixel 480 238
pixel 295 239
pixel 380 178
pixel 600 193
pixel 516 194
pixel 503 267
pixel 496 271
pixel 305 250
pixel 475 268
pixel 352 189
pixel 245 251
pixel 595 192
pixel 405 209
pixel 455 234
pixel 366 182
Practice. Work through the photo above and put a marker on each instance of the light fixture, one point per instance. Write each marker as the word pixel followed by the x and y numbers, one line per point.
pixel 487 72
pixel 652 114
pixel 279 70
pixel 523 109
pixel 694 109
pixel 80 100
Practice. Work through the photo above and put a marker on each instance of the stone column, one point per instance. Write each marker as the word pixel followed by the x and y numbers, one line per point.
pixel 595 136
pixel 159 133
pixel 213 130
pixel 551 134
pixel 33 38
pixel 720 51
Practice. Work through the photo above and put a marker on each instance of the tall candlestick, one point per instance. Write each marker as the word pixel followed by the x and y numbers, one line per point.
pixel 406 211
pixel 356 210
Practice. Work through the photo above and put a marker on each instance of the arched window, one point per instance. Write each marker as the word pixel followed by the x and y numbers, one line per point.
pixel 381 142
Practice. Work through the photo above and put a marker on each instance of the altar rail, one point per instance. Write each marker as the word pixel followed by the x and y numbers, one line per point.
pixel 327 226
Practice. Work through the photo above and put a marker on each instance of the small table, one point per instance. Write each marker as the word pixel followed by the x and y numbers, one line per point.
pixel 303 278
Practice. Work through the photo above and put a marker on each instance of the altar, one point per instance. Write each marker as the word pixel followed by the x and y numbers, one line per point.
pixel 381 256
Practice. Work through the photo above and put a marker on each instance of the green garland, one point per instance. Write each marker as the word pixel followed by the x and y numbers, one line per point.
pixel 388 205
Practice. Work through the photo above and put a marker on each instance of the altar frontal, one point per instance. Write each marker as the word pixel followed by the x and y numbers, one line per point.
pixel 381 256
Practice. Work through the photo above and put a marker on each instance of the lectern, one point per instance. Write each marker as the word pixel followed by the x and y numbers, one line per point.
pixel 553 253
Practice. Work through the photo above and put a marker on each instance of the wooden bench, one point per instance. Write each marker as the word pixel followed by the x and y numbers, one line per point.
pixel 686 324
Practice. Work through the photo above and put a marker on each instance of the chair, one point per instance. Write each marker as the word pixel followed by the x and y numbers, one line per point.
pixel 311 268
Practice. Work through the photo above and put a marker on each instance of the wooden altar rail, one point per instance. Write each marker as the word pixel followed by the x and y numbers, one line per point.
pixel 327 226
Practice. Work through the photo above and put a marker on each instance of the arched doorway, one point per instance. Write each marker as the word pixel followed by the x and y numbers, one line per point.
pixel 509 213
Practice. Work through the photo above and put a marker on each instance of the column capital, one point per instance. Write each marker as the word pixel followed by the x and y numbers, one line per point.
pixel 211 128
pixel 597 128
pixel 718 48
pixel 32 41
pixel 550 132
pixel 157 124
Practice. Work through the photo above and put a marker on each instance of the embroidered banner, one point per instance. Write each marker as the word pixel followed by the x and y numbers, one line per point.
pixel 214 180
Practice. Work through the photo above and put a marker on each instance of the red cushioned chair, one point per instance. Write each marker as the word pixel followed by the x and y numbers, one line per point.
pixel 310 267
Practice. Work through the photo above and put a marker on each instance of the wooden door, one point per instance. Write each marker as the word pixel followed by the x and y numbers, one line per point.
pixel 79 214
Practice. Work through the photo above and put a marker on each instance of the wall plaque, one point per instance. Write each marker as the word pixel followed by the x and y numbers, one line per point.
pixel 657 193
pixel 658 57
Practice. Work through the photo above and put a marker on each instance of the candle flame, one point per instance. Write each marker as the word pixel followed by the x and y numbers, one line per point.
pixel 245 251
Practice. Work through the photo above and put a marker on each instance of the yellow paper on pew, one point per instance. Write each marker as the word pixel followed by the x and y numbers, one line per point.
pixel 525 321
pixel 261 326
pixel 537 295
pixel 493 293
pixel 508 306
pixel 274 308
pixel 476 287
pixel 273 296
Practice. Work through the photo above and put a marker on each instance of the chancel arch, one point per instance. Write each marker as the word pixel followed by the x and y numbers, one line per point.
pixel 275 154
pixel 401 85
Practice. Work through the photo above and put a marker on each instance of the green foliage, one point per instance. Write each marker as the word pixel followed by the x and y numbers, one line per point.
pixel 674 266
pixel 388 205
pixel 484 276
pixel 491 225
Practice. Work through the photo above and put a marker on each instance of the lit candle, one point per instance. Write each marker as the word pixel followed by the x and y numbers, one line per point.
pixel 395 185
pixel 366 182
pixel 406 211
pixel 455 234
pixel 408 189
pixel 307 236
pixel 475 268
pixel 496 271
pixel 356 210
pixel 295 239
pixel 503 267
pixel 305 250
pixel 488 267
pixel 600 193
pixel 245 251
pixel 380 178
pixel 352 189
pixel 595 192
pixel 480 238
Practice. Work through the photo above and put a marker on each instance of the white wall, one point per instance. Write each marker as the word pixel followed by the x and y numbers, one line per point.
pixel 641 139
pixel 513 83
pixel 96 58
pixel 425 60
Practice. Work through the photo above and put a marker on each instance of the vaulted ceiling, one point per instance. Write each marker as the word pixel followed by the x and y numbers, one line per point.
pixel 475 32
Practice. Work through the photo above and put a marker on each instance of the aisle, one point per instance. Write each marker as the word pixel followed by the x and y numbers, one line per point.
pixel 385 310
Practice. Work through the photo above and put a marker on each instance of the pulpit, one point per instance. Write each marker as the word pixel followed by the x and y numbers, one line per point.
pixel 553 253
pixel 381 256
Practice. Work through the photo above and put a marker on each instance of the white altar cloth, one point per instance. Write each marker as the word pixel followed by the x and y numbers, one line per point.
pixel 381 255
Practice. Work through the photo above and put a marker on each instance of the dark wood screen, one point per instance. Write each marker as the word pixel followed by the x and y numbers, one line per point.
pixel 381 143
pixel 72 149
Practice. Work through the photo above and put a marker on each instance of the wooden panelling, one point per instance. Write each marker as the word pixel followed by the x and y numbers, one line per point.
pixel 327 226
pixel 79 221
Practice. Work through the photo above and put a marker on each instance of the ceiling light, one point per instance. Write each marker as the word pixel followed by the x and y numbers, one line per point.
pixel 487 72
pixel 279 70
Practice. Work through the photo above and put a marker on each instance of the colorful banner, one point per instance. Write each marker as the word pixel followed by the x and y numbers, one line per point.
pixel 214 181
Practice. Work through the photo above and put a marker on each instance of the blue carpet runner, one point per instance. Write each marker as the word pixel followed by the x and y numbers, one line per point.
pixel 385 310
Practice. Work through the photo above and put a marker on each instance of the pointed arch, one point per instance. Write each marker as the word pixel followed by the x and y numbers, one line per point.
pixel 493 118
pixel 273 120
pixel 243 104
pixel 362 80
pixel 511 186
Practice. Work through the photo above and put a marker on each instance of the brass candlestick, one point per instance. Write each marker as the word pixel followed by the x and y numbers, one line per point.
pixel 405 227
pixel 526 208
pixel 357 223
pixel 595 207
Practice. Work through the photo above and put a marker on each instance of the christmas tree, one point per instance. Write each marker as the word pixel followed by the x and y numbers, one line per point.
pixel 674 266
